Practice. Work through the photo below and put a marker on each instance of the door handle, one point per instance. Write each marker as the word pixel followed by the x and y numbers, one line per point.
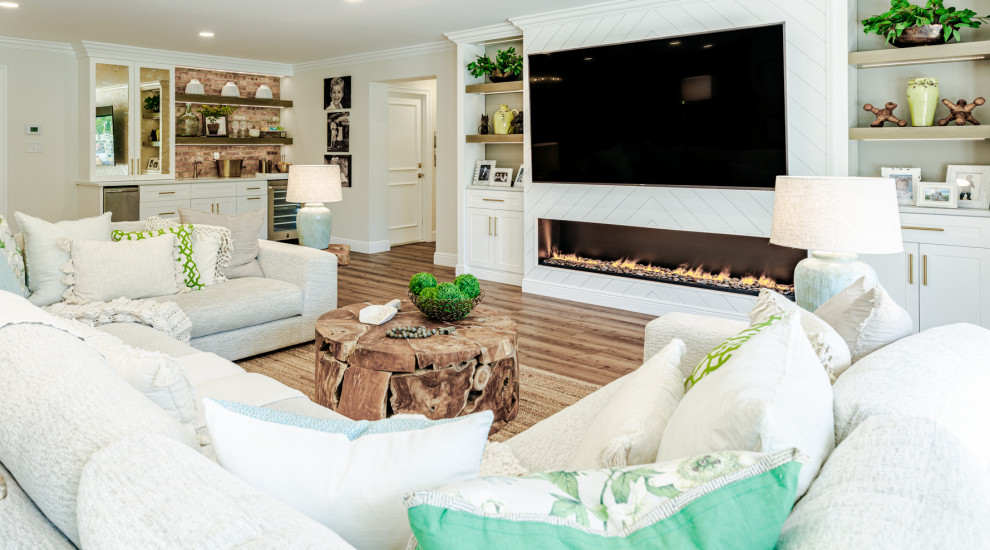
pixel 918 228
pixel 924 269
pixel 494 200
pixel 166 192
pixel 489 226
pixel 254 198
pixel 910 269
pixel 496 226
pixel 419 176
pixel 253 188
pixel 166 213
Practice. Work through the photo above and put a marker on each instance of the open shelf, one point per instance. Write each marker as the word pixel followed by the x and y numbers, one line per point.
pixel 222 100
pixel 151 143
pixel 495 138
pixel 495 88
pixel 203 140
pixel 944 53
pixel 152 116
pixel 921 132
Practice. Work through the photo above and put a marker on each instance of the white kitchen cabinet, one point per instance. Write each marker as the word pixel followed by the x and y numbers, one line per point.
pixel 494 240
pixel 215 205
pixel 480 249
pixel 508 240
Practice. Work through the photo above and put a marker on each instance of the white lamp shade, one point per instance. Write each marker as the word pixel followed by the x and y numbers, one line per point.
pixel 314 183
pixel 848 215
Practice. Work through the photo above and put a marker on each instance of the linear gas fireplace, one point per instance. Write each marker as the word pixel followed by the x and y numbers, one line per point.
pixel 730 263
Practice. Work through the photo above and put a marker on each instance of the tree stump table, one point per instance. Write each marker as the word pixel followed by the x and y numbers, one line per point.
pixel 365 375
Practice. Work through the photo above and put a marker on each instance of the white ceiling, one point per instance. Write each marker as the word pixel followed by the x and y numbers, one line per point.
pixel 287 31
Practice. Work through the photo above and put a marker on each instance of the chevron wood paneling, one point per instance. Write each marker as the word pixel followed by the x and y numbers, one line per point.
pixel 737 212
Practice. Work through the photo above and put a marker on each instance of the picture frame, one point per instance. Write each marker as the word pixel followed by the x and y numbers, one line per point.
pixel 905 181
pixel 483 172
pixel 344 161
pixel 973 182
pixel 520 176
pixel 937 194
pixel 336 93
pixel 338 131
pixel 502 177
pixel 154 164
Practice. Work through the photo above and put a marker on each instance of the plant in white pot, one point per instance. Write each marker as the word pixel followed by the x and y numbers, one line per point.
pixel 906 25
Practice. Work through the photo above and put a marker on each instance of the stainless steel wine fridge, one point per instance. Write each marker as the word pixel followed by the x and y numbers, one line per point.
pixel 281 214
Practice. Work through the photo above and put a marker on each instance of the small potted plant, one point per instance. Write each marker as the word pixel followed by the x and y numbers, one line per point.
pixel 906 25
pixel 506 67
pixel 152 103
pixel 212 116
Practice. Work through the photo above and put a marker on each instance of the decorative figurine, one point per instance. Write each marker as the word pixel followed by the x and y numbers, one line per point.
pixel 485 127
pixel 516 126
pixel 961 111
pixel 884 115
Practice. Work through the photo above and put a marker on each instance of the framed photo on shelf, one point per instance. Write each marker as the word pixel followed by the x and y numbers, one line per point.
pixel 502 177
pixel 905 181
pixel 483 172
pixel 974 185
pixel 520 176
pixel 153 164
pixel 937 194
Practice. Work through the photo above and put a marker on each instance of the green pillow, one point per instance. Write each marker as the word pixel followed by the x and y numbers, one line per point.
pixel 721 353
pixel 719 500
pixel 183 234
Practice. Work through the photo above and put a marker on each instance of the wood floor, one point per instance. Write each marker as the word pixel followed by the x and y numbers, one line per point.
pixel 591 343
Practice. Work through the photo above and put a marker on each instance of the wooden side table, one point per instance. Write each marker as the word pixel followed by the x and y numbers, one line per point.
pixel 364 375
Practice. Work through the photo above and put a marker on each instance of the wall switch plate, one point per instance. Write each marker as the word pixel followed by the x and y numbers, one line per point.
pixel 32 129
pixel 35 147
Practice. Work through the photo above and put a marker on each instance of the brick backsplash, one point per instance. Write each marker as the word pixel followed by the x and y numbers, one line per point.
pixel 213 81
pixel 186 155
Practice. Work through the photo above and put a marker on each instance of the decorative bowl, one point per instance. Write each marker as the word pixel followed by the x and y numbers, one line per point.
pixel 445 310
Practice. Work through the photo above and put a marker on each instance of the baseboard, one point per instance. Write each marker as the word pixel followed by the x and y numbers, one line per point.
pixel 364 247
pixel 514 279
pixel 648 306
pixel 445 259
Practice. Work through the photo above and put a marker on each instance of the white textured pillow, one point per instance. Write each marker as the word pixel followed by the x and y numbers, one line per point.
pixel 348 475
pixel 831 349
pixel 628 429
pixel 102 271
pixel 769 394
pixel 45 258
pixel 212 247
pixel 866 317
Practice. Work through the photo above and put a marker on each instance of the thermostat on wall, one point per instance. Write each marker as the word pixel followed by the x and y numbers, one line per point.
pixel 32 129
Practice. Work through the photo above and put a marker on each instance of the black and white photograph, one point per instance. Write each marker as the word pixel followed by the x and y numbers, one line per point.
pixel 483 172
pixel 502 177
pixel 938 195
pixel 344 161
pixel 974 185
pixel 338 132
pixel 336 93
pixel 905 180
pixel 520 176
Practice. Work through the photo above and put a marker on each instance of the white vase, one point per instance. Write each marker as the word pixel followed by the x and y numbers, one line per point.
pixel 264 92
pixel 230 90
pixel 195 87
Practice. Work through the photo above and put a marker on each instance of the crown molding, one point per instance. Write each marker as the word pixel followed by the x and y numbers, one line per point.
pixel 380 55
pixel 181 59
pixel 35 45
pixel 616 7
pixel 500 31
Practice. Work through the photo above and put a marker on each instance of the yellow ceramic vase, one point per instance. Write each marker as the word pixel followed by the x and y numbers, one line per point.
pixel 502 119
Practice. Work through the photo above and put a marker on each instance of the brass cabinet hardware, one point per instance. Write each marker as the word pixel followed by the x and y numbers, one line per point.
pixel 910 269
pixel 494 200
pixel 496 226
pixel 918 228
pixel 254 198
pixel 166 213
pixel 924 269
pixel 489 226
pixel 166 192
pixel 253 188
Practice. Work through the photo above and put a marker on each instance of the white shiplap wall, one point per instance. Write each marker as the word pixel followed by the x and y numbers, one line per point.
pixel 737 212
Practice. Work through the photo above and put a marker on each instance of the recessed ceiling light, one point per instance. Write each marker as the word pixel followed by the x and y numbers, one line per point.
pixel 707 46
pixel 9 5
pixel 206 34
pixel 588 58
pixel 675 43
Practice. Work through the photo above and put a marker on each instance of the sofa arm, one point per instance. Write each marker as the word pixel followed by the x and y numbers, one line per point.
pixel 698 332
pixel 314 271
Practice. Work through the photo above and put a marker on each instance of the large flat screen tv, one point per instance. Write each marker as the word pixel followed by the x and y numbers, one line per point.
pixel 704 110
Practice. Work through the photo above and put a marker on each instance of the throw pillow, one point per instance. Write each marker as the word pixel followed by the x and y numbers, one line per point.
pixel 721 354
pixel 831 349
pixel 11 262
pixel 211 248
pixel 866 317
pixel 101 271
pixel 771 394
pixel 628 428
pixel 183 240
pixel 244 229
pixel 45 258
pixel 714 500
pixel 348 475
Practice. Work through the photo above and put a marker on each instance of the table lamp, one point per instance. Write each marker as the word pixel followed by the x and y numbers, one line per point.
pixel 835 219
pixel 311 186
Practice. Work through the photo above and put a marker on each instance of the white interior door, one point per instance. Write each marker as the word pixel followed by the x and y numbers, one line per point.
pixel 3 141
pixel 405 169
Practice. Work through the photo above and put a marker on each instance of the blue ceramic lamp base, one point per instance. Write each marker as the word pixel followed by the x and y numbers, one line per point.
pixel 313 223
pixel 825 274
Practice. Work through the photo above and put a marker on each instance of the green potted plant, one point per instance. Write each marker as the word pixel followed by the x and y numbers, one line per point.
pixel 212 114
pixel 153 103
pixel 506 67
pixel 906 25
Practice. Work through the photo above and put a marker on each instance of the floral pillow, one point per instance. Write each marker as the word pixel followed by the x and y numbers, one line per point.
pixel 13 256
pixel 725 499
pixel 183 237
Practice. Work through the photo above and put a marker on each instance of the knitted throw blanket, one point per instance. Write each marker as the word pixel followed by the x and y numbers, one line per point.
pixel 166 317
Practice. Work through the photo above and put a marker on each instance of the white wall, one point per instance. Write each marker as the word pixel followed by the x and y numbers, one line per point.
pixel 362 218
pixel 41 89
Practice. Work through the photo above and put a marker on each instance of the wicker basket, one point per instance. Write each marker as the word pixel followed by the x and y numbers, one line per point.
pixel 445 310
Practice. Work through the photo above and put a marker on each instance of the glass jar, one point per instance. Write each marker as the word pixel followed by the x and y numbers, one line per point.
pixel 187 124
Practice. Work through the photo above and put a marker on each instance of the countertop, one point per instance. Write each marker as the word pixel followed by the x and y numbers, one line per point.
pixel 174 181
pixel 495 188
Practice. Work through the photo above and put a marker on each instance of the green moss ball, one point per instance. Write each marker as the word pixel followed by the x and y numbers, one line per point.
pixel 449 291
pixel 420 281
pixel 468 284
pixel 429 293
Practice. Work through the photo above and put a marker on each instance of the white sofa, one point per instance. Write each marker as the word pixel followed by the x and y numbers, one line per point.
pixel 908 471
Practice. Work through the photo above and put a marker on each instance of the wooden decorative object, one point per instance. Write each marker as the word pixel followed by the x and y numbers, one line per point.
pixel 884 115
pixel 342 251
pixel 365 375
pixel 961 111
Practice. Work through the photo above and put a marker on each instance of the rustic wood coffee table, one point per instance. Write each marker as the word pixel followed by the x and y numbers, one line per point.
pixel 365 375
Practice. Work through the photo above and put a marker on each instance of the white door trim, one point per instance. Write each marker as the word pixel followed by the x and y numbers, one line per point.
pixel 4 205
pixel 429 171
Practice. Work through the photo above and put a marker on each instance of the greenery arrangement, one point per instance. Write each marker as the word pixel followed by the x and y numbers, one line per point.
pixel 153 103
pixel 211 111
pixel 903 14
pixel 445 301
pixel 506 64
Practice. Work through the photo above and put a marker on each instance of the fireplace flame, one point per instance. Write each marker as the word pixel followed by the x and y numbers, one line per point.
pixel 683 271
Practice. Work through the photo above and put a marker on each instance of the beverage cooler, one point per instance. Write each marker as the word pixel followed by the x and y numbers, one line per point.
pixel 281 214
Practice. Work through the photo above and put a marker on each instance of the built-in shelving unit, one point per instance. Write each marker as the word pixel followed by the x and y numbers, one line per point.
pixel 242 101
pixel 495 88
pixel 921 132
pixel 494 138
pixel 945 53
pixel 202 140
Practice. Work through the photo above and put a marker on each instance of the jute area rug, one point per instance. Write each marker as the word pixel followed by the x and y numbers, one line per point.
pixel 541 394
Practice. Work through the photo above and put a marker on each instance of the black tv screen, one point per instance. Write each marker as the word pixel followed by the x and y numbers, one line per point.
pixel 698 110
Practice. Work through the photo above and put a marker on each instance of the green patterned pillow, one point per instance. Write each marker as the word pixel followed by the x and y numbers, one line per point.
pixel 728 499
pixel 183 234
pixel 722 352
pixel 14 257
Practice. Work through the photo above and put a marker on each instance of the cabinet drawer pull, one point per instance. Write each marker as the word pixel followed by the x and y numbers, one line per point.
pixel 494 200
pixel 166 192
pixel 924 269
pixel 166 213
pixel 489 226
pixel 496 226
pixel 910 269
pixel 917 228
pixel 254 198
pixel 253 188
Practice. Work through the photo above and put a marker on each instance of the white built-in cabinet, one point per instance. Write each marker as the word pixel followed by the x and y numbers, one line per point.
pixel 943 275
pixel 494 234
